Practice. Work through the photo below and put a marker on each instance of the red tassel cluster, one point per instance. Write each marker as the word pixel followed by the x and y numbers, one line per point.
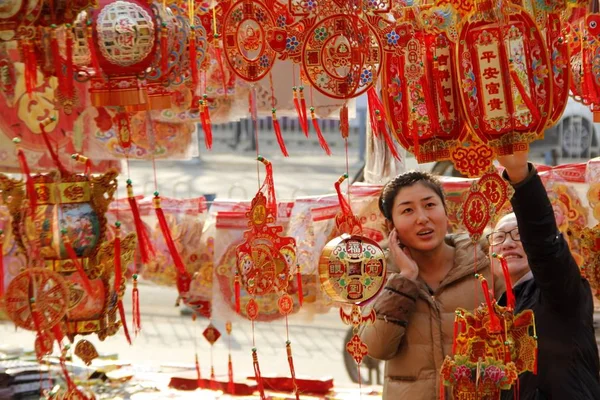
pixel 278 135
pixel 494 320
pixel 303 109
pixel 300 289
pixel 164 50
pixel 257 375
pixel 193 60
pixel 30 63
pixel 92 48
pixel 205 120
pixel 301 115
pixel 183 277
pixel 238 293
pixel 53 155
pixel 378 124
pixel 288 347
pixel 69 88
pixel 344 123
pixel 145 246
pixel 230 383
pixel 29 185
pixel 124 321
pixel 320 136
pixel 510 295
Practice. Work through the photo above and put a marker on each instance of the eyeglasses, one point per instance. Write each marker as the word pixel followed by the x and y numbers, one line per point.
pixel 498 237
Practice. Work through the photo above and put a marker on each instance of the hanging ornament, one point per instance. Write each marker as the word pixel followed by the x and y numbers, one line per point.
pixel 352 270
pixel 503 69
pixel 244 39
pixel 265 259
pixel 421 95
pixel 86 351
pixel 125 38
pixel 212 334
pixel 341 56
pixel 590 244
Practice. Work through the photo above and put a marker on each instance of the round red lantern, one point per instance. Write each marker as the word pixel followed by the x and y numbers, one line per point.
pixel 124 38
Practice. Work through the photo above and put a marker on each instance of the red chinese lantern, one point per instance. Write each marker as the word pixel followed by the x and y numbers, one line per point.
pixel 503 66
pixel 419 84
pixel 123 41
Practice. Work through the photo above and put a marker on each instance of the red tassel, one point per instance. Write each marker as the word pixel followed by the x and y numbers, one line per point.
pixel 532 108
pixel 145 245
pixel 92 49
pixel 288 347
pixel 344 205
pixel 322 140
pixel 299 112
pixel 53 155
pixel 300 291
pixel 58 66
pixel 278 134
pixel 135 299
pixel 117 257
pixel 510 295
pixel 85 281
pixel 69 61
pixel 494 320
pixel 378 124
pixel 303 109
pixel 30 62
pixel 124 321
pixel 230 383
pixel 257 375
pixel 193 60
pixel 30 187
pixel 183 277
pixel 344 124
pixel 198 374
pixel 206 124
pixel 58 334
pixel 164 51
pixel 1 263
pixel 219 57
pixel 238 291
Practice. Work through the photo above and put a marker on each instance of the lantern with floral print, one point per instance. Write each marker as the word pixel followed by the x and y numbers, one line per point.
pixel 124 38
pixel 503 69
pixel 421 96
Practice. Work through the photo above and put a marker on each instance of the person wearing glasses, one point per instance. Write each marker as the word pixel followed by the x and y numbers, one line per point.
pixel 546 279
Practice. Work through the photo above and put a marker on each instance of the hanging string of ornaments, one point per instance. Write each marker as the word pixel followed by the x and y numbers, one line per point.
pixel 455 80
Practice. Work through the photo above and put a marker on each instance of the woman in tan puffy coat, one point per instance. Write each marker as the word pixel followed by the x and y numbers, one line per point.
pixel 415 310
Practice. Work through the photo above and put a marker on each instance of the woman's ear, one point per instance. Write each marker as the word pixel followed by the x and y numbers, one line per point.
pixel 389 225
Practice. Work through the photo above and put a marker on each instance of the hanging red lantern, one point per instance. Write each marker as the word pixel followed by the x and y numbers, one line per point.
pixel 503 67
pixel 124 39
pixel 419 84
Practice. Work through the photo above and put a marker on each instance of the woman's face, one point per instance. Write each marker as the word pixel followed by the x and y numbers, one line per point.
pixel 419 217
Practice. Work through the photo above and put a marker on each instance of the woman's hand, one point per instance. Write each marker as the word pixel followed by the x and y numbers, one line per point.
pixel 516 165
pixel 401 257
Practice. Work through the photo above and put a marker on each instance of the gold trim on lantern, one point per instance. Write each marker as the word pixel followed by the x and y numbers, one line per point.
pixel 83 327
pixel 68 193
pixel 66 265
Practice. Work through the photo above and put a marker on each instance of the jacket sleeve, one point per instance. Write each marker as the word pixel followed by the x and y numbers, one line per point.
pixel 393 308
pixel 554 268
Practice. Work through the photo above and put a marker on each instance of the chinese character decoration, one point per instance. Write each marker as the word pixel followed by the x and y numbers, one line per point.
pixel 352 270
pixel 504 76
pixel 491 347
pixel 419 83
pixel 484 200
pixel 590 244
pixel 265 261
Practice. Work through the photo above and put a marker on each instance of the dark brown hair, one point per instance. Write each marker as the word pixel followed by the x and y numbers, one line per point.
pixel 391 189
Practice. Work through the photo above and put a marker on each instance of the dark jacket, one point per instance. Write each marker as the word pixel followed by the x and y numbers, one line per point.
pixel 568 366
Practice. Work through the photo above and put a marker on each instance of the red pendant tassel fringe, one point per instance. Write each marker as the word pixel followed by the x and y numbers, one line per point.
pixel 300 289
pixel 193 61
pixel 94 58
pixel 205 120
pixel 198 373
pixel 278 135
pixel 320 136
pixel 183 276
pixel 164 51
pixel 257 375
pixel 288 347
pixel 378 124
pixel 299 112
pixel 230 383
pixel 303 109
pixel 144 243
pixel 29 185
pixel 135 299
pixel 238 293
